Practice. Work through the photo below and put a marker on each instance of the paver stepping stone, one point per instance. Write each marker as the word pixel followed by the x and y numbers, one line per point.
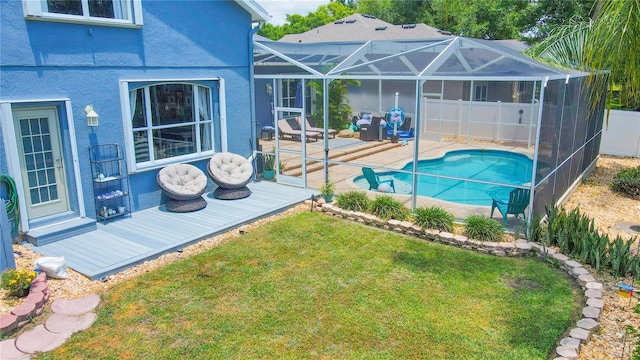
pixel 76 306
pixel 40 340
pixel 9 351
pixel 62 324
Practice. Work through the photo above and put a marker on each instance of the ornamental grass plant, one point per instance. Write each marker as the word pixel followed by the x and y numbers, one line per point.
pixel 433 217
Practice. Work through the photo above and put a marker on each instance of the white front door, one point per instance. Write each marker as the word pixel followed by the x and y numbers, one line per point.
pixel 41 161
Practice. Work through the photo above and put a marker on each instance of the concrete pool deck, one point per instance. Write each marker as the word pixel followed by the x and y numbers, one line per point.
pixel 350 157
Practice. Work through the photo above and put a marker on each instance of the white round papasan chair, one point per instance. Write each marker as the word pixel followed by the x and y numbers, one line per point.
pixel 231 172
pixel 184 184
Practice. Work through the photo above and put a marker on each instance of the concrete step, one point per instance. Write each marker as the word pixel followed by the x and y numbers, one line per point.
pixel 359 152
pixel 51 233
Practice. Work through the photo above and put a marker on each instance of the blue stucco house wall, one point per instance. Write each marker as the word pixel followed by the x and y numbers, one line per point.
pixel 52 67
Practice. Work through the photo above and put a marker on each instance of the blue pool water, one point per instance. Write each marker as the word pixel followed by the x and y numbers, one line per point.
pixel 479 165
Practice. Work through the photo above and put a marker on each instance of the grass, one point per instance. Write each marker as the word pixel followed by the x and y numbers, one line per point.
pixel 313 286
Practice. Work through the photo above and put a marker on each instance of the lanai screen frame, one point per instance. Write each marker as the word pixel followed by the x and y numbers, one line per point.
pixel 564 165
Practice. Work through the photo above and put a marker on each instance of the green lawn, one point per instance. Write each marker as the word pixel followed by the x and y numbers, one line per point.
pixel 313 286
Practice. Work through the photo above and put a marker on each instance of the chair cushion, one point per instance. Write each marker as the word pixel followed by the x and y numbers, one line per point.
pixel 230 171
pixel 182 181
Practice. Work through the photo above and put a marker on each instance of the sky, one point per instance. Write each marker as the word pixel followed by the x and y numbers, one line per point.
pixel 279 9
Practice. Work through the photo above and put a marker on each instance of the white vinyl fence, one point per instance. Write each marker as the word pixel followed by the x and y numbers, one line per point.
pixel 493 121
pixel 622 135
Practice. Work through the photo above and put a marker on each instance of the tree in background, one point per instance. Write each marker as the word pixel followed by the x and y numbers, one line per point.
pixel 297 24
pixel 609 42
pixel 540 19
pixel 480 19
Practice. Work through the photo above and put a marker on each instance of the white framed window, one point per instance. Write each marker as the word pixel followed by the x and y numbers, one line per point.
pixel 99 12
pixel 170 122
pixel 480 92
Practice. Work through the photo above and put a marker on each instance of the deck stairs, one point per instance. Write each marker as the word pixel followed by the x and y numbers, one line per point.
pixel 49 233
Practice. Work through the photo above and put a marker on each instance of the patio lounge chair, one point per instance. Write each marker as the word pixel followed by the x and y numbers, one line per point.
pixel 231 172
pixel 286 127
pixel 374 180
pixel 518 201
pixel 317 129
pixel 184 184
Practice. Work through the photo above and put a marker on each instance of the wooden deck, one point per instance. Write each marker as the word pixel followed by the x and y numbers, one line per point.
pixel 123 243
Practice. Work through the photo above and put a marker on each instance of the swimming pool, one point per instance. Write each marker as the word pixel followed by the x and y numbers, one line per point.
pixel 495 166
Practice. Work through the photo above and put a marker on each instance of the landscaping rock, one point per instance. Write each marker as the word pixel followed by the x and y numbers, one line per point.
pixel 598 303
pixel 593 285
pixel 576 272
pixel 580 334
pixel 586 278
pixel 567 352
pixel 8 323
pixel 570 342
pixel 24 311
pixel 588 324
pixel 593 294
pixel 591 312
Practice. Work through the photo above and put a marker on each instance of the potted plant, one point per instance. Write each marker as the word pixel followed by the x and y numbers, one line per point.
pixel 269 171
pixel 327 190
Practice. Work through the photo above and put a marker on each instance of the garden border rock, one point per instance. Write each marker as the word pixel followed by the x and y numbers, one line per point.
pixel 32 306
pixel 568 347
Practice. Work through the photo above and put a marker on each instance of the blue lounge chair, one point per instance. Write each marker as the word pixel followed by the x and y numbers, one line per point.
pixel 518 202
pixel 374 179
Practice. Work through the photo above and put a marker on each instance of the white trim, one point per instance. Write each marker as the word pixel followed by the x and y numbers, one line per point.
pixel 127 127
pixel 170 80
pixel 10 148
pixel 74 158
pixel 34 10
pixel 223 115
pixel 11 151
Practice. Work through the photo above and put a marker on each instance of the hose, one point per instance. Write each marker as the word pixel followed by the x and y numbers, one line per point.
pixel 12 203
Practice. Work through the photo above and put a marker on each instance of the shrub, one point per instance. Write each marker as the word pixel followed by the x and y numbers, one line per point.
pixel 354 201
pixel 433 217
pixel 482 228
pixel 385 207
pixel 627 182
pixel 17 281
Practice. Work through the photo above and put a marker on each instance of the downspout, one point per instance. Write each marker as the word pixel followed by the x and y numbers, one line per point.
pixel 252 99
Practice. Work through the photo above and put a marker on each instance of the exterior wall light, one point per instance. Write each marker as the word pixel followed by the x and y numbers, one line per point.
pixel 92 117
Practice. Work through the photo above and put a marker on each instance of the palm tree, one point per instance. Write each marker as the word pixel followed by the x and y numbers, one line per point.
pixel 610 42
pixel 339 109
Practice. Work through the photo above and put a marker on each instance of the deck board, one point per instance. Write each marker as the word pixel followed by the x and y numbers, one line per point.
pixel 149 233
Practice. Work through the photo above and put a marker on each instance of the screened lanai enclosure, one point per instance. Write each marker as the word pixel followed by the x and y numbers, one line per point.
pixel 453 122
